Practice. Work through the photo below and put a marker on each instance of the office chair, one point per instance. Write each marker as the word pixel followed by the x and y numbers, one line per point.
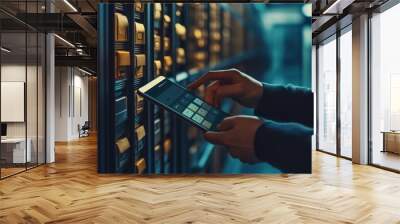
pixel 84 130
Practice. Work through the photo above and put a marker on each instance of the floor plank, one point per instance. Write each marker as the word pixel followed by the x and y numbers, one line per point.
pixel 71 191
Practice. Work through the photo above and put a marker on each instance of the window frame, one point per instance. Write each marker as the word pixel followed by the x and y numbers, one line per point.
pixel 334 37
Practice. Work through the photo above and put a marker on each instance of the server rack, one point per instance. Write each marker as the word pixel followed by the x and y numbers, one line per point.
pixel 180 155
pixel 114 136
pixel 173 40
pixel 169 58
pixel 158 70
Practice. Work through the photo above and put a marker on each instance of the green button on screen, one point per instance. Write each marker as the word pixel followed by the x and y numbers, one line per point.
pixel 188 113
pixel 193 107
pixel 207 124
pixel 198 118
pixel 202 112
pixel 198 101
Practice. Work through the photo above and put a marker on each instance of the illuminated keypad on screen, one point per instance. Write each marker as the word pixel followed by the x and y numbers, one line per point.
pixel 202 112
pixel 198 101
pixel 197 110
pixel 207 124
pixel 198 118
pixel 188 113
pixel 193 107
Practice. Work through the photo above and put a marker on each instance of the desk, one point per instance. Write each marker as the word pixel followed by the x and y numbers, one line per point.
pixel 13 150
pixel 391 141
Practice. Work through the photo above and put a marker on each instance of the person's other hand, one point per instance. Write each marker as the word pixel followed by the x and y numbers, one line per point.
pixel 230 83
pixel 237 133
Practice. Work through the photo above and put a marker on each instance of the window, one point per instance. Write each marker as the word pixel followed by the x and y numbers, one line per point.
pixel 327 96
pixel 346 93
pixel 385 89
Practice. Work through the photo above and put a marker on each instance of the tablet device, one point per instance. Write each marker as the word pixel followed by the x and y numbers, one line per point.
pixel 175 98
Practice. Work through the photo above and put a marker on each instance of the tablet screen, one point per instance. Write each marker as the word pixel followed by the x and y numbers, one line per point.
pixel 186 104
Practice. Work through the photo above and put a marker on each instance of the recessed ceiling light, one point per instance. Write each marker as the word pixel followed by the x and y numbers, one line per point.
pixel 334 5
pixel 65 41
pixel 337 7
pixel 5 50
pixel 84 71
pixel 70 5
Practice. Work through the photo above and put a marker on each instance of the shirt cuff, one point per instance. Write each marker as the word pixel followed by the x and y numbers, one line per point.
pixel 263 135
pixel 269 91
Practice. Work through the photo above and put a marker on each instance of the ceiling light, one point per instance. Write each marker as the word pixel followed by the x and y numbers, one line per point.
pixel 337 7
pixel 70 5
pixel 84 71
pixel 5 50
pixel 326 11
pixel 65 41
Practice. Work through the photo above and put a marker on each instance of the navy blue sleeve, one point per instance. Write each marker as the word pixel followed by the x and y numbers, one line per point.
pixel 286 104
pixel 287 146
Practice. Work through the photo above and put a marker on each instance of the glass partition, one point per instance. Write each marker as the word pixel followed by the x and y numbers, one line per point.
pixel 32 98
pixel 13 108
pixel 22 90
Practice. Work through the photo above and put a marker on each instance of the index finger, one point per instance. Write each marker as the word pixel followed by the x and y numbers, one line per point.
pixel 217 138
pixel 224 75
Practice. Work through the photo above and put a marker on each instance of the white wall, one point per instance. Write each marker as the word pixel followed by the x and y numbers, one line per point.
pixel 61 103
pixel 71 102
pixel 79 117
pixel 16 73
pixel 33 127
pixel 10 73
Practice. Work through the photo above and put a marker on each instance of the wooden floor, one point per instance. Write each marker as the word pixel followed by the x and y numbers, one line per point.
pixel 386 159
pixel 8 171
pixel 70 191
pixel 5 172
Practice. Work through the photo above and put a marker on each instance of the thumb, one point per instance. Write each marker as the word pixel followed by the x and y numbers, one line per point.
pixel 217 138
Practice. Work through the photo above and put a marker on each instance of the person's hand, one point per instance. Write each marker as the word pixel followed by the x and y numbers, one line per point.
pixel 237 133
pixel 230 83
